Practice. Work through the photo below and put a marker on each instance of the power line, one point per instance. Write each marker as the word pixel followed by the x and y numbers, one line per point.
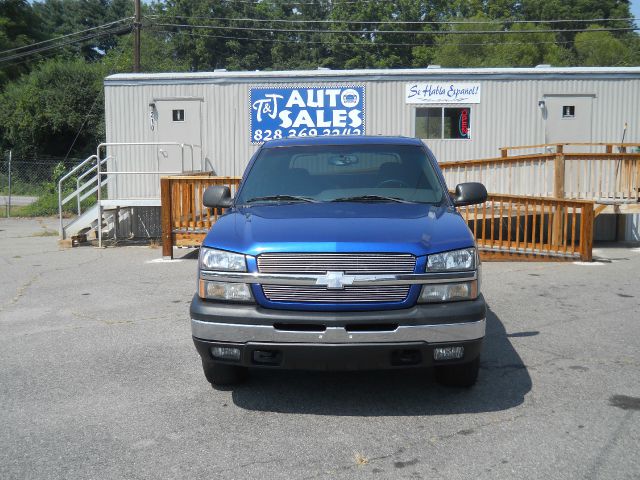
pixel 25 60
pixel 65 36
pixel 412 32
pixel 394 22
pixel 113 31
pixel 373 44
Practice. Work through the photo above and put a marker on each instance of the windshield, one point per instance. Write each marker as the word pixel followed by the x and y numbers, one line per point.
pixel 342 173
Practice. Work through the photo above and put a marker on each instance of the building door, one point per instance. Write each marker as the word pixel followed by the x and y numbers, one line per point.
pixel 568 118
pixel 179 121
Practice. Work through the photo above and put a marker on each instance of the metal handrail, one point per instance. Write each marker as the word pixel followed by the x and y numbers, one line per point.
pixel 77 193
pixel 158 172
pixel 97 163
pixel 89 182
pixel 62 179
pixel 79 188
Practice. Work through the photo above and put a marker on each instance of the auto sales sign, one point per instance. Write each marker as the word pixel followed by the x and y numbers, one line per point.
pixel 280 112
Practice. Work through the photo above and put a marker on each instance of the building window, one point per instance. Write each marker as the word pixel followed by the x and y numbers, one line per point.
pixel 568 111
pixel 443 122
pixel 178 115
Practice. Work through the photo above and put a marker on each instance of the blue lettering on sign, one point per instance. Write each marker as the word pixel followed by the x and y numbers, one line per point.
pixel 306 111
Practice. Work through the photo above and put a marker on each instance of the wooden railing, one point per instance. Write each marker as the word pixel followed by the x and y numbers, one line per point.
pixel 606 177
pixel 185 221
pixel 602 147
pixel 505 227
pixel 516 227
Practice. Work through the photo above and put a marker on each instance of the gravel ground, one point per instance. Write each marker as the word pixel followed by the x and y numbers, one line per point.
pixel 99 379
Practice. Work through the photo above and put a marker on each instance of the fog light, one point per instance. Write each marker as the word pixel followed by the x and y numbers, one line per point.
pixel 448 353
pixel 226 353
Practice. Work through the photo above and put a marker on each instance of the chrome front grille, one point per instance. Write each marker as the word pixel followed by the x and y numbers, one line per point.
pixel 320 294
pixel 349 263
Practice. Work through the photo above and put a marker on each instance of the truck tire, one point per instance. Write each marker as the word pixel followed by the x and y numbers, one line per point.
pixel 461 375
pixel 223 374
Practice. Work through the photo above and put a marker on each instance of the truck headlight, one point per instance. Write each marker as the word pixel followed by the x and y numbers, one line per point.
pixel 232 292
pixel 455 260
pixel 449 292
pixel 213 259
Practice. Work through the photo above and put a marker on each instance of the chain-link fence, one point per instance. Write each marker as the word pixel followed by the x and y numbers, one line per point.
pixel 28 186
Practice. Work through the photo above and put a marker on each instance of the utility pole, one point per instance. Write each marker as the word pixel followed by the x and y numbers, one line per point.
pixel 137 25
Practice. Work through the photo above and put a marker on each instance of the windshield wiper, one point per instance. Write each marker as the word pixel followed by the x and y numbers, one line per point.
pixel 285 198
pixel 370 198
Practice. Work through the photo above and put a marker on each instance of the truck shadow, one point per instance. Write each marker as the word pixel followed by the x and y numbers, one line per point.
pixel 503 383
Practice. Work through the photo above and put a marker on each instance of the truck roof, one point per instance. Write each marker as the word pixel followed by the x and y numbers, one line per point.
pixel 343 140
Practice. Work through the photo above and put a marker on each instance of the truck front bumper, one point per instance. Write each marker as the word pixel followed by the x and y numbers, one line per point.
pixel 338 340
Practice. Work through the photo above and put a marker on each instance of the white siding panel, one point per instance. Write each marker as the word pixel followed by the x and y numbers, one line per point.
pixel 508 115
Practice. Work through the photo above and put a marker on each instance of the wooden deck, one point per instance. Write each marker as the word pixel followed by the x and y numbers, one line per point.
pixel 506 226
pixel 541 207
pixel 518 227
pixel 185 221
pixel 608 177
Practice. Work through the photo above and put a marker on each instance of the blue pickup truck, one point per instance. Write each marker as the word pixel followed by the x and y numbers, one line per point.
pixel 340 253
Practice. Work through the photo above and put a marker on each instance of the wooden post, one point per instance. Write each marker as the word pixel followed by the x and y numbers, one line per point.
pixel 558 174
pixel 586 232
pixel 558 192
pixel 504 152
pixel 609 148
pixel 165 218
pixel 589 229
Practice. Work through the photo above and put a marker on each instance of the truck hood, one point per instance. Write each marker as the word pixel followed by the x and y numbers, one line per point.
pixel 418 229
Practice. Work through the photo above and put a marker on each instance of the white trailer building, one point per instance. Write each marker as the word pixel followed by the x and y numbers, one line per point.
pixel 215 121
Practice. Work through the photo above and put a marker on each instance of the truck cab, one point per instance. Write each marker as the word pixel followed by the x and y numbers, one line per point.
pixel 340 253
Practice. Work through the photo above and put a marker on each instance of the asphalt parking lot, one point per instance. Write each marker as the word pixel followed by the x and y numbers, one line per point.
pixel 99 379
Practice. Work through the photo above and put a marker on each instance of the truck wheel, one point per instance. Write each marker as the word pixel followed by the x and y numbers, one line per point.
pixel 462 375
pixel 222 374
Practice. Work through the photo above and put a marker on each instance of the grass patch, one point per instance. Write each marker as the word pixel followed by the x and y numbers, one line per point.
pixel 47 192
pixel 47 206
pixel 16 211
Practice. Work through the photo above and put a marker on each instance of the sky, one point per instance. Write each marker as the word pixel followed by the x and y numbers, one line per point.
pixel 635 10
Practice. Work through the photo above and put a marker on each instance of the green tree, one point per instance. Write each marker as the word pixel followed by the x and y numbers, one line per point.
pixel 62 17
pixel 43 111
pixel 19 27
pixel 158 54
pixel 577 10
pixel 385 43
pixel 597 48
pixel 513 49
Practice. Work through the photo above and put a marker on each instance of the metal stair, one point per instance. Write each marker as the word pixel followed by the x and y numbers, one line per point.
pixel 88 219
pixel 91 177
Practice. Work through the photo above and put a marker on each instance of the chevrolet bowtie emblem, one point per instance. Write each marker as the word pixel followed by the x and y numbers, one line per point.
pixel 335 280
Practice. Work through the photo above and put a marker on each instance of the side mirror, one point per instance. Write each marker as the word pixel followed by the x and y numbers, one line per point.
pixel 217 196
pixel 471 193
